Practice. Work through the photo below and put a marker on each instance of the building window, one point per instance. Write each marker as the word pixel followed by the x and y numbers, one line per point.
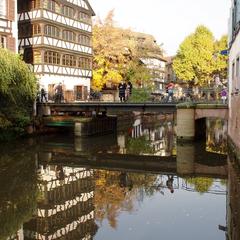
pixel 84 17
pixel 69 36
pixel 28 55
pixel 233 71
pixel 52 57
pixel 3 41
pixel 51 5
pixel 237 68
pixel 69 60
pixel 85 63
pixel 3 8
pixel 36 29
pixel 36 57
pixel 35 4
pixel 68 11
pixel 52 31
pixel 83 39
pixel 25 30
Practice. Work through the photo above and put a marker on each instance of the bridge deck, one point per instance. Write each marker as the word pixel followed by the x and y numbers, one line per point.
pixel 113 106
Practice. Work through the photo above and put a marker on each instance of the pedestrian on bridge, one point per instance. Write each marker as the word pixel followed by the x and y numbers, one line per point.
pixel 224 95
pixel 170 88
pixel 59 93
pixel 122 91
pixel 43 95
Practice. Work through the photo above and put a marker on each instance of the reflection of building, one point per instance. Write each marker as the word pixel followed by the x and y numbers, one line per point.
pixel 162 139
pixel 17 236
pixel 65 209
pixel 233 203
pixel 234 73
pixel 8 24
pixel 56 38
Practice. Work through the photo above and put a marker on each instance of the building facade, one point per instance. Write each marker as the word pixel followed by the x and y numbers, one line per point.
pixel 55 36
pixel 8 24
pixel 151 55
pixel 157 66
pixel 234 73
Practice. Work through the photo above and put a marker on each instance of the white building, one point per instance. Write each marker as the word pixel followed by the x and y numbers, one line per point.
pixel 234 73
pixel 8 24
pixel 55 36
pixel 157 67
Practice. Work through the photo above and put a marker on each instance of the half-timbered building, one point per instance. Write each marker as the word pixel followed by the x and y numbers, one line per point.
pixel 8 25
pixel 55 36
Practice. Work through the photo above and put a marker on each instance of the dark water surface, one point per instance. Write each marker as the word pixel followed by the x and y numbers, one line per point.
pixel 136 184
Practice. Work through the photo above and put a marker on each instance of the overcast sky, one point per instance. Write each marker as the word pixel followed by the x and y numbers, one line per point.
pixel 169 21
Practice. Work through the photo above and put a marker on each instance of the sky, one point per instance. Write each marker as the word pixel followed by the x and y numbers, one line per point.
pixel 169 21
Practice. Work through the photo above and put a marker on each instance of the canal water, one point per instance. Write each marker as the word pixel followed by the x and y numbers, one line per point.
pixel 138 183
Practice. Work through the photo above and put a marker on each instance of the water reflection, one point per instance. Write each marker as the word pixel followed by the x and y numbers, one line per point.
pixel 18 190
pixel 137 184
pixel 65 207
pixel 150 134
pixel 217 135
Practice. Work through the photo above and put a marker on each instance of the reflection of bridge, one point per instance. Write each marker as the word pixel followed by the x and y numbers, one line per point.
pixel 143 163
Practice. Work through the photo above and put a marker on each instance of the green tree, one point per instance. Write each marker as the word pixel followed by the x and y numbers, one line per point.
pixel 195 58
pixel 201 184
pixel 221 61
pixel 18 87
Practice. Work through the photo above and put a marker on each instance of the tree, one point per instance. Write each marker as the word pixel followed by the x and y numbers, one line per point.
pixel 112 52
pixel 221 61
pixel 195 61
pixel 18 87
pixel 118 53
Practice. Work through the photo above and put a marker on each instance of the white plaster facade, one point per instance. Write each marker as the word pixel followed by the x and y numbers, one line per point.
pixel 234 72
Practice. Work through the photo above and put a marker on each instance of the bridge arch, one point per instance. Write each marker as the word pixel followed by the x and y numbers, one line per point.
pixel 211 113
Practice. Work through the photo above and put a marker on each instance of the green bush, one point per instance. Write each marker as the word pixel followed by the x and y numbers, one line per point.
pixel 140 95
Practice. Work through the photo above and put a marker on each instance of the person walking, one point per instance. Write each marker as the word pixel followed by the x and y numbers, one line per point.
pixel 224 95
pixel 43 95
pixel 122 89
pixel 59 93
pixel 128 90
pixel 169 91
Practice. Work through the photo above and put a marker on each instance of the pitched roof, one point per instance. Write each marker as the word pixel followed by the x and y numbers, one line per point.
pixel 90 8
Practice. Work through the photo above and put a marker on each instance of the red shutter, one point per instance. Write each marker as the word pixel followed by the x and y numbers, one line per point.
pixel 11 10
pixel 11 43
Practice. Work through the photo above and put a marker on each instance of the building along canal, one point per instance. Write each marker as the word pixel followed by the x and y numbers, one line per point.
pixel 136 183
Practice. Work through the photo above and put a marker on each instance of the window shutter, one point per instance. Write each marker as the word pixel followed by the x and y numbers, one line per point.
pixel 11 43
pixel 11 10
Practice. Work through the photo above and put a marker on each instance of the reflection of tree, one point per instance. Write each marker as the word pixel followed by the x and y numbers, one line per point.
pixel 217 136
pixel 18 192
pixel 113 194
pixel 139 146
pixel 201 185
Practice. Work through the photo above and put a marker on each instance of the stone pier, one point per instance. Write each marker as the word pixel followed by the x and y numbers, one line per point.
pixel 186 124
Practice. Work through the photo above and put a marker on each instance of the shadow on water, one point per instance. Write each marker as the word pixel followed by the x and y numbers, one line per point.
pixel 129 185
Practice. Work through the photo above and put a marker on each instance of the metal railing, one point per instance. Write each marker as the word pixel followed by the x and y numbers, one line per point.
pixel 209 95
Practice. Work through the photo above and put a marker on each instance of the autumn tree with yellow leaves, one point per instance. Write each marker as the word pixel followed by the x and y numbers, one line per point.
pixel 117 55
pixel 111 53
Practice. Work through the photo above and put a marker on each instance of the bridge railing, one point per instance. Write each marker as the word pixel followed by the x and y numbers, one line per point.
pixel 206 95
